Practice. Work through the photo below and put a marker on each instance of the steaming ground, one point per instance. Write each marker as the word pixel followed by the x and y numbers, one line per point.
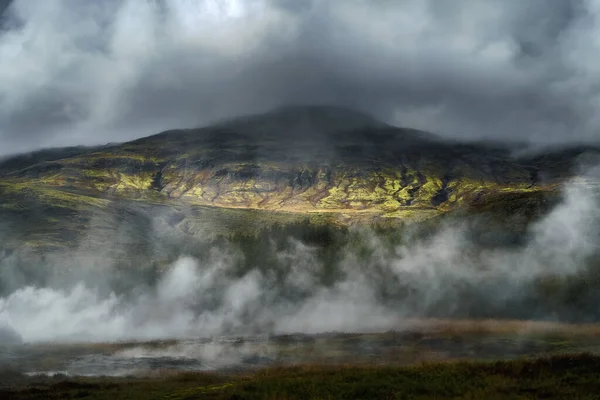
pixel 373 286
pixel 193 300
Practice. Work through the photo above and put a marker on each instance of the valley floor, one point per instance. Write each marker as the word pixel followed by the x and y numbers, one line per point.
pixel 558 377
pixel 428 359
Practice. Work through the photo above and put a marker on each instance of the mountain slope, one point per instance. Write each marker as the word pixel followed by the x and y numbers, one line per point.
pixel 332 163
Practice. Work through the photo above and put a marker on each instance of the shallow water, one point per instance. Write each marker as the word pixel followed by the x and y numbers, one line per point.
pixel 235 354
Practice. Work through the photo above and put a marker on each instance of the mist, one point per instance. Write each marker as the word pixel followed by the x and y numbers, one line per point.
pixel 369 283
pixel 75 72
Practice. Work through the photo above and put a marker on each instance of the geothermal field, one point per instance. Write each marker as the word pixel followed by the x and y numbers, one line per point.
pixel 272 199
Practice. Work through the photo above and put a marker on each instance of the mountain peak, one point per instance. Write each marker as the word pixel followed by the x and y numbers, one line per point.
pixel 319 112
pixel 309 119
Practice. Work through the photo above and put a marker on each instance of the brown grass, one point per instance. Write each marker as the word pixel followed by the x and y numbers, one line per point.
pixel 498 327
pixel 560 377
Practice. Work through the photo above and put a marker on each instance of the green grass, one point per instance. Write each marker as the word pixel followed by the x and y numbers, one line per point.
pixel 559 377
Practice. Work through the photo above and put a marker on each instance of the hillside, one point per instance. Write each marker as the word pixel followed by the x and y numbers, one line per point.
pixel 327 163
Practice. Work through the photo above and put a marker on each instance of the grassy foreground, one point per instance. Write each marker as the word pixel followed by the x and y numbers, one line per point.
pixel 558 377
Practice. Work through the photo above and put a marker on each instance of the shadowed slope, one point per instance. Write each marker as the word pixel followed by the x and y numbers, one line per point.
pixel 294 161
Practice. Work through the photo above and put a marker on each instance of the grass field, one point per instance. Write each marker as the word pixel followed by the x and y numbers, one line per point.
pixel 431 359
pixel 558 377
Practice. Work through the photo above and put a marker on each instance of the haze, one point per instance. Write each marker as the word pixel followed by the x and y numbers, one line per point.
pixel 81 72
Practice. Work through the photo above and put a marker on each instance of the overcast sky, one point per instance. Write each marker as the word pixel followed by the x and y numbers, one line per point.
pixel 86 72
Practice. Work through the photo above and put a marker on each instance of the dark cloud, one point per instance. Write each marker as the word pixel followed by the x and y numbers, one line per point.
pixel 4 5
pixel 4 19
pixel 80 72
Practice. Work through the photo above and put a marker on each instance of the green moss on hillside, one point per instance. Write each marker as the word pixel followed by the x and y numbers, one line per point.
pixel 371 174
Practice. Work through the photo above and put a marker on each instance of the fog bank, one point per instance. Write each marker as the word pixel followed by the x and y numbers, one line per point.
pixel 372 283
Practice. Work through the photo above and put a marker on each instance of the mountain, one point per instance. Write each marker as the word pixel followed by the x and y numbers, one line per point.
pixel 326 164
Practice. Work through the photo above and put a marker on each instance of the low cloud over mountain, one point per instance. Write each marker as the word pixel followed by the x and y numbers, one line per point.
pixel 80 72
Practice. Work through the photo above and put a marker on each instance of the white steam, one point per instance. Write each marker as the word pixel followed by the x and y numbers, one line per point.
pixel 201 298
